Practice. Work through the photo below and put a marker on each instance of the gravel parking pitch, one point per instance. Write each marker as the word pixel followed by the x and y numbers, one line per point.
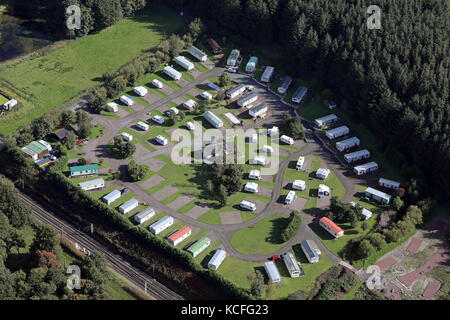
pixel 259 204
pixel 198 210
pixel 153 181
pixel 233 217
pixel 324 202
pixel 431 289
pixel 297 204
pixel 386 263
pixel 154 164
pixel 165 192
pixel 181 201
pixel 414 245
pixel 151 98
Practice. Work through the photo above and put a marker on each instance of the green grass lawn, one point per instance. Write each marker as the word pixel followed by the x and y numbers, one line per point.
pixel 3 100
pixel 57 77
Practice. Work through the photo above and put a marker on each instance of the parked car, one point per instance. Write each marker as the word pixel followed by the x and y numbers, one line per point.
pixel 231 70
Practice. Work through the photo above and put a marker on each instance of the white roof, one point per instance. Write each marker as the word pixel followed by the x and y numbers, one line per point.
pixel 126 135
pixel 141 89
pixel 184 61
pixel 272 271
pixel 323 172
pixel 190 103
pixel 112 194
pixel 290 195
pixel 251 185
pixel 87 184
pixel 260 158
pixel 367 165
pixel 232 118
pixel 384 181
pixel 129 203
pixel 46 144
pixel 255 173
pixel 324 188
pixel 326 118
pixel 172 71
pixel 163 221
pixel 299 183
pixel 284 137
pixel 247 203
pixel 378 193
pixel 113 105
pixel 218 257
pixel 365 212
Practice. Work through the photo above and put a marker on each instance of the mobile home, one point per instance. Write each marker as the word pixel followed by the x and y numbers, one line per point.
pixel 180 235
pixel 112 196
pixel 199 246
pixel 366 168
pixel 322 173
pixel 214 46
pixel 287 140
pixel 347 144
pixel 248 205
pixel 254 175
pixel 233 57
pixel 292 264
pixel 184 63
pixel 112 107
pixel 272 271
pixel 236 91
pixel 213 119
pixel 268 74
pixel 290 197
pixel 259 111
pixel 9 105
pixel 198 54
pixel 247 100
pixel 326 120
pixel 161 225
pixel 300 162
pixel 128 206
pixel 82 171
pixel 337 132
pixel 127 100
pixel 251 64
pixel 378 196
pixel 172 73
pixel 92 184
pixel 324 191
pixel 144 215
pixel 251 187
pixel 299 94
pixel 217 259
pixel 331 227
pixel 284 85
pixel 299 185
pixel 309 251
pixel 389 184
pixel 357 156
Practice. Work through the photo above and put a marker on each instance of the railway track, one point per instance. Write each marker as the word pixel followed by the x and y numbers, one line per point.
pixel 155 289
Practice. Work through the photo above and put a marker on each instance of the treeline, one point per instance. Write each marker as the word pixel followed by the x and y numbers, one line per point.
pixel 95 14
pixel 295 220
pixel 396 78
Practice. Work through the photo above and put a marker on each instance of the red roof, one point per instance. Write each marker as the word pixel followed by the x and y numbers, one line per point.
pixel 330 224
pixel 180 233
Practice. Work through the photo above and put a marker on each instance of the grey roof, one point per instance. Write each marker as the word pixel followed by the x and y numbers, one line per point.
pixel 300 93
pixel 161 222
pixel 285 82
pixel 144 213
pixel 258 108
pixel 309 250
pixel 112 194
pixel 197 51
pixel 128 204
pixel 272 271
pixel 378 193
pixel 291 262
pixel 246 98
pixel 213 119
pixel 89 183
pixel 237 88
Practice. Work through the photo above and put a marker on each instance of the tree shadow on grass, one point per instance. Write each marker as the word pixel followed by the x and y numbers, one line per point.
pixel 278 225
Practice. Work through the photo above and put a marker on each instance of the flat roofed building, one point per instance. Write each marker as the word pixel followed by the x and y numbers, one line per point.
pixel 272 271
pixel 92 184
pixel 331 227
pixel 217 259
pixel 309 251
pixel 284 84
pixel 292 264
pixel 366 168
pixel 198 54
pixel 234 92
pixel 144 215
pixel 161 225
pixel 326 120
pixel 377 195
pixel 172 73
pixel 357 156
pixel 180 235
pixel 299 94
pixel 337 132
pixel 199 246
pixel 347 144
pixel 233 57
pixel 213 119
pixel 112 196
pixel 268 74
pixel 247 99
pixel 251 64
pixel 184 63
pixel 389 184
pixel 258 111
pixel 86 170
pixel 128 206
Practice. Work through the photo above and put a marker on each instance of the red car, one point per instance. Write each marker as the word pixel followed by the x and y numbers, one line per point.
pixel 275 258
pixel 80 142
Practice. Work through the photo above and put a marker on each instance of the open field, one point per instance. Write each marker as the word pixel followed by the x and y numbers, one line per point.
pixel 57 77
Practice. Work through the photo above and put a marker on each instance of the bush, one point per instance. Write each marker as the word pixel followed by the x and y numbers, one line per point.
pixel 295 221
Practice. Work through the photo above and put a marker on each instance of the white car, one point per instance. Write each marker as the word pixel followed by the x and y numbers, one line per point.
pixel 158 84
pixel 231 70
pixel 190 126
pixel 158 119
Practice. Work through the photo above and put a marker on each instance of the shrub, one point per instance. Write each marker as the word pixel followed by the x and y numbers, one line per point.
pixel 291 229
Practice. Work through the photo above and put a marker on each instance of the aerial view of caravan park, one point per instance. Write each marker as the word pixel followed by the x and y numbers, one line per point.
pixel 244 151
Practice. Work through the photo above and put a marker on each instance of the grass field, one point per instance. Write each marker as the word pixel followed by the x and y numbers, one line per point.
pixel 3 100
pixel 57 77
